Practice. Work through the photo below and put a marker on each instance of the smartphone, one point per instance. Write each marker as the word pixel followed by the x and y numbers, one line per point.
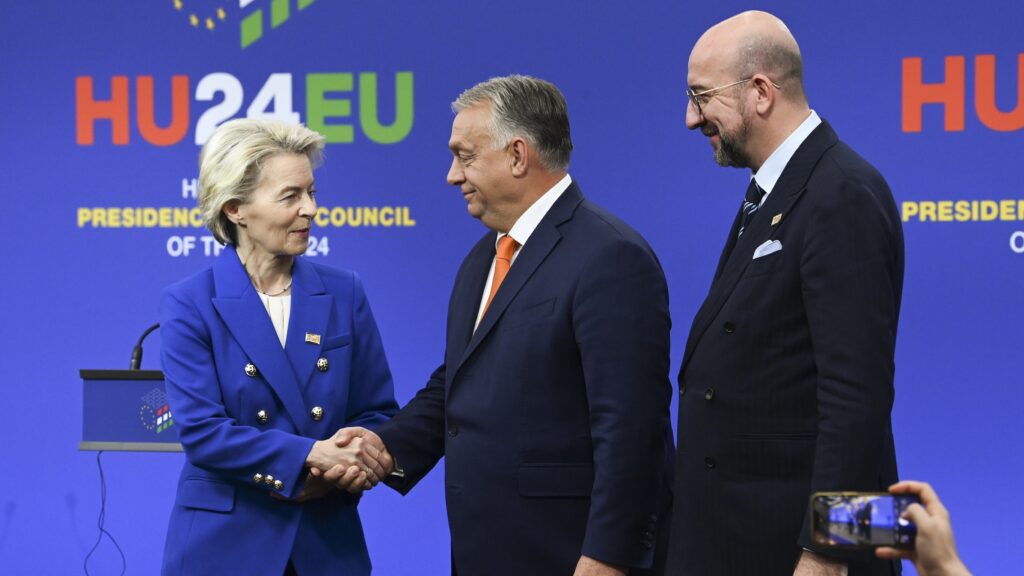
pixel 859 520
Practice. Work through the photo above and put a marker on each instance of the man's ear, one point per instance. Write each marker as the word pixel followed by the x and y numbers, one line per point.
pixel 766 91
pixel 519 152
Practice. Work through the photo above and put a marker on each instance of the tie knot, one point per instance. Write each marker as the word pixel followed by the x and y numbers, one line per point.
pixel 751 202
pixel 506 247
pixel 754 193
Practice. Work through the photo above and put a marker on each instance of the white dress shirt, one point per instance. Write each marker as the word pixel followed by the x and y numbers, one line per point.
pixel 772 168
pixel 521 232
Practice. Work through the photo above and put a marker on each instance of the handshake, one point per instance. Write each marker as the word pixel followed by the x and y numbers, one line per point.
pixel 354 459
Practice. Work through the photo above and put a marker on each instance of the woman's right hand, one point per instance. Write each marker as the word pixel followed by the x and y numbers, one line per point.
pixel 358 459
pixel 313 488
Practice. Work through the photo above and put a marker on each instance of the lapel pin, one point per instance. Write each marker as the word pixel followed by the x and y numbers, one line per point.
pixel 312 338
pixel 776 219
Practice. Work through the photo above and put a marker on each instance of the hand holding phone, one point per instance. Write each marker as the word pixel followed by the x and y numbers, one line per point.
pixel 935 551
pixel 862 520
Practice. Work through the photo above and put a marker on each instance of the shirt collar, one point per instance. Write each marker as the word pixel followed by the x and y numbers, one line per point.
pixel 528 222
pixel 772 168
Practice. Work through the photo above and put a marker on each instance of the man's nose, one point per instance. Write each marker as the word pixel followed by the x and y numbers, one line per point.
pixel 694 119
pixel 455 174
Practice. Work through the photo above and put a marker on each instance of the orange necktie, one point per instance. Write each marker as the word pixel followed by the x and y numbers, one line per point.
pixel 502 262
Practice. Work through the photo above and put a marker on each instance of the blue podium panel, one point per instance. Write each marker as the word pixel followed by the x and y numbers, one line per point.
pixel 126 410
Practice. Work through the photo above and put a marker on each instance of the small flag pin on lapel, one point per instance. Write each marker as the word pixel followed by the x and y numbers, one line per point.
pixel 776 219
pixel 312 338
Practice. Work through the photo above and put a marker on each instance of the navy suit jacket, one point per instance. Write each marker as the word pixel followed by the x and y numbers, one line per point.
pixel 786 385
pixel 553 416
pixel 211 326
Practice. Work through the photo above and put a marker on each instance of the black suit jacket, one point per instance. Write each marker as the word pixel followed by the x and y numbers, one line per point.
pixel 786 385
pixel 553 416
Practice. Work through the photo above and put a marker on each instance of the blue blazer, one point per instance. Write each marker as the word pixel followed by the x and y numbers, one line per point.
pixel 553 416
pixel 246 433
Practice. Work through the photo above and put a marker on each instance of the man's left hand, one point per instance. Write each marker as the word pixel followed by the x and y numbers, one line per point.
pixel 811 564
pixel 589 567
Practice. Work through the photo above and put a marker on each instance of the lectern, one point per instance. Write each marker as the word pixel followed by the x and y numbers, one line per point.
pixel 126 410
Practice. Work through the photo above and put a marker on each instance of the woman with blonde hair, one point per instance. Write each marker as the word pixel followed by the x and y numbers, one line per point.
pixel 266 354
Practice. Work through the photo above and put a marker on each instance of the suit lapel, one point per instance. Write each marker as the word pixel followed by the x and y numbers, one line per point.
pixel 241 309
pixel 532 254
pixel 787 191
pixel 466 297
pixel 730 244
pixel 311 312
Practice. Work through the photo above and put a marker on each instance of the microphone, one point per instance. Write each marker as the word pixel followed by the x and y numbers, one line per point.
pixel 137 351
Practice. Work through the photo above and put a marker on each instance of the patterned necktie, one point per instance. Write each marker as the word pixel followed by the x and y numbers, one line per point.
pixel 502 262
pixel 751 202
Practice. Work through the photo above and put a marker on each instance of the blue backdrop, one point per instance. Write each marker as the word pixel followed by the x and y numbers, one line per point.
pixel 103 104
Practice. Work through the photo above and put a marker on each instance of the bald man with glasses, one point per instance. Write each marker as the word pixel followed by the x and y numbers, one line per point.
pixel 786 384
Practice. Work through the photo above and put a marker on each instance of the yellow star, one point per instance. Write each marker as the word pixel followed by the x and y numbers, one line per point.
pixel 221 14
pixel 193 20
pixel 209 23
pixel 177 4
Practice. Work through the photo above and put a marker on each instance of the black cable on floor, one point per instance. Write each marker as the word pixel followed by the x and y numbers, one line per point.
pixel 102 518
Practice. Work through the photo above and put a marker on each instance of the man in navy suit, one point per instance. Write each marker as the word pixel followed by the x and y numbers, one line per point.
pixel 786 385
pixel 552 405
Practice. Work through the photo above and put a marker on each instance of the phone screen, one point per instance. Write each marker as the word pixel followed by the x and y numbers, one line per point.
pixel 862 519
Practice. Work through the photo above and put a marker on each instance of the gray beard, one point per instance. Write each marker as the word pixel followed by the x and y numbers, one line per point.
pixel 729 152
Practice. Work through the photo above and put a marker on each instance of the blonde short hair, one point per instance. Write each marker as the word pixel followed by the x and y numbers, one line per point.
pixel 231 163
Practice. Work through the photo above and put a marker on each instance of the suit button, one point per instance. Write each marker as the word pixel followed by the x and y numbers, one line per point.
pixel 263 417
pixel 729 327
pixel 268 480
pixel 322 364
pixel 317 413
pixel 709 463
pixel 682 390
pixel 709 394
pixel 453 431
pixel 257 478
pixel 250 370
pixel 278 485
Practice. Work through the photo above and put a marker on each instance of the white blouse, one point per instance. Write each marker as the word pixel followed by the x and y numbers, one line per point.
pixel 280 309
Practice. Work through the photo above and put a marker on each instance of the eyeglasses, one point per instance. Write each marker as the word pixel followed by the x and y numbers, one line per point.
pixel 701 99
